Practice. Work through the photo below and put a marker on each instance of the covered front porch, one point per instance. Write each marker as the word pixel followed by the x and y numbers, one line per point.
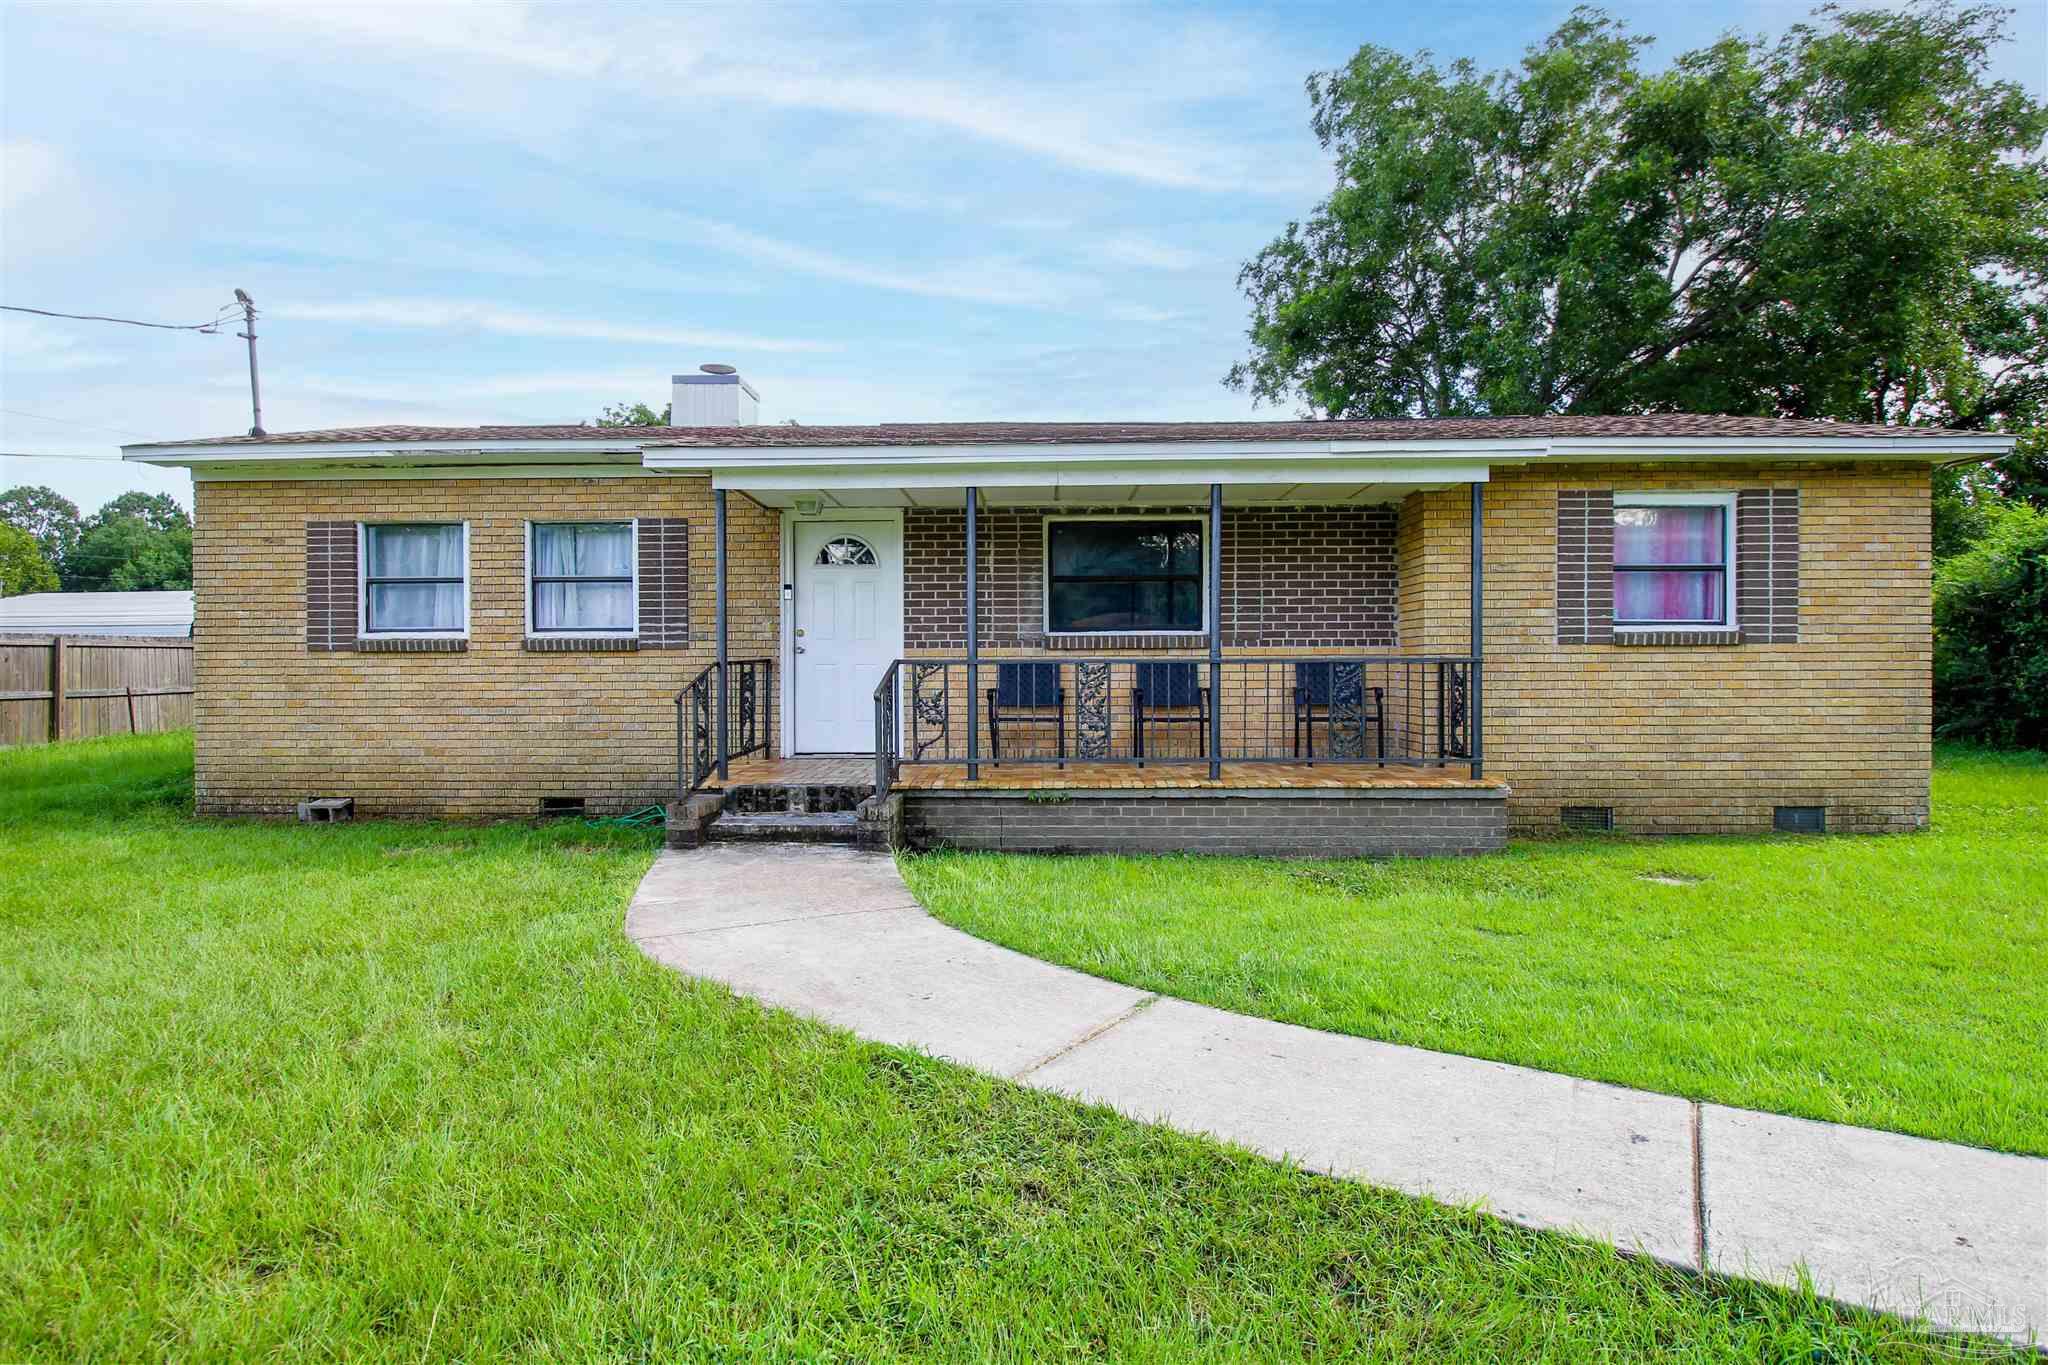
pixel 1064 633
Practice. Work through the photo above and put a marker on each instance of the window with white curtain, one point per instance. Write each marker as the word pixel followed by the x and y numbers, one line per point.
pixel 582 578
pixel 415 579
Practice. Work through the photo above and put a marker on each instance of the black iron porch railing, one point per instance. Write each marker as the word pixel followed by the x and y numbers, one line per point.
pixel 697 747
pixel 1387 710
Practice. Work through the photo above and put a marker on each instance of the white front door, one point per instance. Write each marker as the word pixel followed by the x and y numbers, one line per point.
pixel 846 629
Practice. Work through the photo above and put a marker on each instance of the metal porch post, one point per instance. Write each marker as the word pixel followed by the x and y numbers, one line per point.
pixel 1473 689
pixel 718 598
pixel 1215 632
pixel 973 648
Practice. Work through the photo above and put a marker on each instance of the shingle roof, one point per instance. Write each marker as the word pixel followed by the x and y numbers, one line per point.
pixel 1051 433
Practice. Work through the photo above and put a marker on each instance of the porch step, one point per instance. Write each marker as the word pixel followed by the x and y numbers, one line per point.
pixel 786 827
pixel 795 798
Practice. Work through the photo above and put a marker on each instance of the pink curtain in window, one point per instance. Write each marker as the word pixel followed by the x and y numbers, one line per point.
pixel 1668 536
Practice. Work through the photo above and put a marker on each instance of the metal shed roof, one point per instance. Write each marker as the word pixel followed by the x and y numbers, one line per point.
pixel 97 613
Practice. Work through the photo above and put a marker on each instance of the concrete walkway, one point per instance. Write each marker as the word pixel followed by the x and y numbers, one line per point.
pixel 1956 1235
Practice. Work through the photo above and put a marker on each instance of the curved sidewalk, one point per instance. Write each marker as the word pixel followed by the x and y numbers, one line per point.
pixel 1956 1235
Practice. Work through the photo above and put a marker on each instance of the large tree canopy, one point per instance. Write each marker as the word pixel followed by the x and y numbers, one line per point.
pixel 22 565
pixel 45 514
pixel 1849 222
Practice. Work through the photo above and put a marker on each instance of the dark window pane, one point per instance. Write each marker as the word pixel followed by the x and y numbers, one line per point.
pixel 1090 606
pixel 1124 575
pixel 1150 612
pixel 1094 548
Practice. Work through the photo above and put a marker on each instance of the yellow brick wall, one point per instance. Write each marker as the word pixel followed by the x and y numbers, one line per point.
pixel 1701 739
pixel 484 733
pixel 1676 739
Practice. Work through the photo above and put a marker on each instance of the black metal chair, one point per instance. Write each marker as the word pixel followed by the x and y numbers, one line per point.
pixel 1167 694
pixel 1027 695
pixel 1320 695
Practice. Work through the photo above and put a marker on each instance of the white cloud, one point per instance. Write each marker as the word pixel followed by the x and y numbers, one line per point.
pixel 989 279
pixel 32 344
pixel 1088 109
pixel 1138 312
pixel 1131 249
pixel 44 202
pixel 453 315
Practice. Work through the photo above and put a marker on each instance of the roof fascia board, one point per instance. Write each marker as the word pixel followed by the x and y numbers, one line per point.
pixel 1783 447
pixel 301 452
pixel 1089 452
pixel 700 458
pixel 252 473
pixel 873 475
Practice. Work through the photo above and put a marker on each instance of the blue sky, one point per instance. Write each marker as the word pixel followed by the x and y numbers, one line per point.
pixel 519 214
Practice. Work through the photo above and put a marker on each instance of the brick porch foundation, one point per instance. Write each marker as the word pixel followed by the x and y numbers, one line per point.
pixel 1365 822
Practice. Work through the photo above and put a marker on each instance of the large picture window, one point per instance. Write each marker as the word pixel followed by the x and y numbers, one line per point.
pixel 1105 576
pixel 1672 561
pixel 415 579
pixel 582 578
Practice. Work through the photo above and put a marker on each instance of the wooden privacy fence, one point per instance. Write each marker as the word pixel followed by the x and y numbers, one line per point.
pixel 76 686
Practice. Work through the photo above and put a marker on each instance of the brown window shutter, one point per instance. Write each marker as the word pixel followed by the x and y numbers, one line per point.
pixel 1767 565
pixel 1585 566
pixel 330 585
pixel 664 583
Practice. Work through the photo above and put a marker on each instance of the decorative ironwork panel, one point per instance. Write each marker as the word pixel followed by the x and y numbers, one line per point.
pixel 749 685
pixel 1454 683
pixel 1347 710
pixel 1092 724
pixel 930 710
pixel 702 758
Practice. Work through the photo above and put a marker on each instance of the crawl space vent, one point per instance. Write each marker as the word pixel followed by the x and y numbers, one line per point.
pixel 1587 817
pixel 1800 819
pixel 560 807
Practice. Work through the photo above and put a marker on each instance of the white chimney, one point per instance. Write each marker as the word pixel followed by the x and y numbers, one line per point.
pixel 715 396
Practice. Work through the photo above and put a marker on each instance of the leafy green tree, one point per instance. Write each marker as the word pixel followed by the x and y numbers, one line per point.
pixel 44 513
pixel 1991 632
pixel 633 415
pixel 136 542
pixel 22 565
pixel 1851 222
pixel 159 511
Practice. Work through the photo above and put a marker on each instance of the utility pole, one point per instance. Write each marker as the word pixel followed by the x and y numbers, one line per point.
pixel 255 392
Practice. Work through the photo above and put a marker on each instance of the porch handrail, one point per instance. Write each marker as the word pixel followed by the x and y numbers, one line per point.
pixel 888 736
pixel 697 720
pixel 1329 707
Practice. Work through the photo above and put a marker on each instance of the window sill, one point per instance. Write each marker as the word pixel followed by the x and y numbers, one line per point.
pixel 412 644
pixel 1634 635
pixel 1082 644
pixel 582 644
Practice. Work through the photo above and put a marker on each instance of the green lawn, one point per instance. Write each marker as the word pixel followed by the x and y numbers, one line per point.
pixel 404 1091
pixel 1895 982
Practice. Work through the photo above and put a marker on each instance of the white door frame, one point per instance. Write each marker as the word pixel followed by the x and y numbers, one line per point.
pixel 786 679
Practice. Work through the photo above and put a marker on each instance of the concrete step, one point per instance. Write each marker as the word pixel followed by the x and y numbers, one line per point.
pixel 796 798
pixel 786 827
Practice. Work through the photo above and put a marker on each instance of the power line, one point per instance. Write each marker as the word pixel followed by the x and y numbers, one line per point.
pixel 68 422
pixel 209 328
pixel 88 459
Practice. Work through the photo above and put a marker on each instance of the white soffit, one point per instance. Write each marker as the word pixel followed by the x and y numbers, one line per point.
pixel 1096 495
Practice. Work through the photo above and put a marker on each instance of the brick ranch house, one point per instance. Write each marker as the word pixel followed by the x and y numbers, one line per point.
pixel 1296 637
